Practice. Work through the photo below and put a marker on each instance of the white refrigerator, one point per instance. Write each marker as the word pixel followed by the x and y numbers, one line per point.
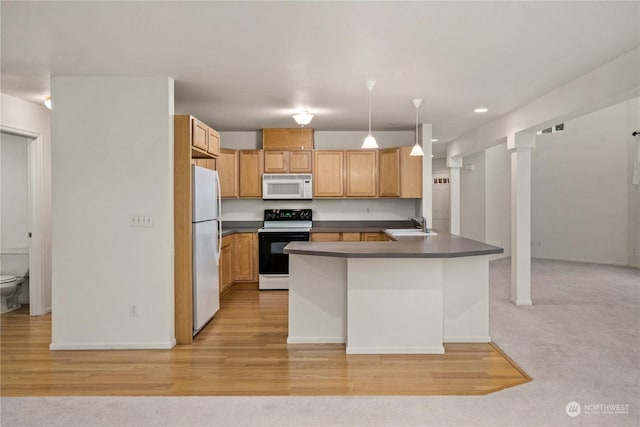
pixel 207 239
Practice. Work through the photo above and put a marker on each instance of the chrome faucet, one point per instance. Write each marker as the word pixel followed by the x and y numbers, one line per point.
pixel 420 222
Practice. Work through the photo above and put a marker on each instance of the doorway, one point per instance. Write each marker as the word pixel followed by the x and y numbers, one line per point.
pixel 441 197
pixel 23 218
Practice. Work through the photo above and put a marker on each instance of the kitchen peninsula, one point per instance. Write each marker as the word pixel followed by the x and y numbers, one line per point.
pixel 410 295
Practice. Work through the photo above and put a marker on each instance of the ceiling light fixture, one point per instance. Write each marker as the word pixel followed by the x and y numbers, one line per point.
pixel 417 150
pixel 370 141
pixel 481 110
pixel 434 140
pixel 47 101
pixel 303 118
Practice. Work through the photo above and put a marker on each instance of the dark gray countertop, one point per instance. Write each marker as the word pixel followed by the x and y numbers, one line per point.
pixel 231 227
pixel 444 245
pixel 357 226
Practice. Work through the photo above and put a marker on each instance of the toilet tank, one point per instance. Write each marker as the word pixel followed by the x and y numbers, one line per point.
pixel 14 262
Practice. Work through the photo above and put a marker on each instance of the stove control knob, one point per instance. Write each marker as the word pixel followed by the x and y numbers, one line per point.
pixel 270 215
pixel 305 215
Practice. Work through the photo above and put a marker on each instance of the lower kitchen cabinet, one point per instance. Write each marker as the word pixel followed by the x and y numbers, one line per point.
pixel 227 263
pixel 246 253
pixel 238 260
pixel 325 237
pixel 374 237
pixel 349 237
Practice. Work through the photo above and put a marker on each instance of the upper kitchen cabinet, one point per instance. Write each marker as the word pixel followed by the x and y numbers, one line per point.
pixel 328 177
pixel 400 173
pixel 250 166
pixel 227 166
pixel 200 134
pixel 213 143
pixel 278 161
pixel 287 139
pixel 300 161
pixel 205 141
pixel 361 173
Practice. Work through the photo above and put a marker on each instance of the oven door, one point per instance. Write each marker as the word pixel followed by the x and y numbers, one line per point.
pixel 271 257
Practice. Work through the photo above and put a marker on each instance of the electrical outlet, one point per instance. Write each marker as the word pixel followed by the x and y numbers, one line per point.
pixel 133 310
pixel 140 221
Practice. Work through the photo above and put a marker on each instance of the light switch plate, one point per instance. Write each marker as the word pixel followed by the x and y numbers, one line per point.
pixel 140 220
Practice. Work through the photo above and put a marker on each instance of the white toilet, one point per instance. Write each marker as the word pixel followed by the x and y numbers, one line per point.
pixel 14 269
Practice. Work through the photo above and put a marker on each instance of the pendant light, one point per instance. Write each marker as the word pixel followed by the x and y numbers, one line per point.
pixel 370 141
pixel 417 150
pixel 303 118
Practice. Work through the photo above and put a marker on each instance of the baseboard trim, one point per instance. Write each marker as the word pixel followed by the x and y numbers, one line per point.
pixel 583 261
pixel 469 339
pixel 395 350
pixel 316 340
pixel 113 346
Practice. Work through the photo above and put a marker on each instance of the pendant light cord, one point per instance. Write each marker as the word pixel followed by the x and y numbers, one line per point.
pixel 370 94
pixel 417 125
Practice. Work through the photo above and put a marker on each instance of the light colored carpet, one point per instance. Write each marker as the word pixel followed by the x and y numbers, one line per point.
pixel 580 342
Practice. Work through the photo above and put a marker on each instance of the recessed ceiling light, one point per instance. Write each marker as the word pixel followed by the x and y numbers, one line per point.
pixel 434 140
pixel 481 110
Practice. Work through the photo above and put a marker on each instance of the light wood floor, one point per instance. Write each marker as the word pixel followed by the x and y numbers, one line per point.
pixel 243 351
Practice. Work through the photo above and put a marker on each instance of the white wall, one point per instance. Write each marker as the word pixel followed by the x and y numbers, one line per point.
pixel 633 144
pixel 472 197
pixel 368 209
pixel 498 198
pixel 112 157
pixel 580 189
pixel 19 115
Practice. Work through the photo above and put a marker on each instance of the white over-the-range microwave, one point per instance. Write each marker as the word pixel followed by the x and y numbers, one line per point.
pixel 285 186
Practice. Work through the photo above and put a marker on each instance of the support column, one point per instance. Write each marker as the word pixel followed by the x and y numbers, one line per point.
pixel 520 146
pixel 426 207
pixel 454 164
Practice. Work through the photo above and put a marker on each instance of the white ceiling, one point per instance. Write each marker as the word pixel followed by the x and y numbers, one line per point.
pixel 249 65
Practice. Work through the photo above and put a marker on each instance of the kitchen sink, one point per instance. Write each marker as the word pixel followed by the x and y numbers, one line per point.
pixel 405 232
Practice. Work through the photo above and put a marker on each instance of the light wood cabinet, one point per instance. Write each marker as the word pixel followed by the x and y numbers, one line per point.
pixel 227 263
pixel 205 140
pixel 325 237
pixel 227 166
pixel 246 257
pixel 374 237
pixel 205 163
pixel 199 134
pixel 213 142
pixel 300 161
pixel 361 173
pixel 389 170
pixel 287 139
pixel 328 177
pixel 350 237
pixel 276 161
pixel 400 173
pixel 250 166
